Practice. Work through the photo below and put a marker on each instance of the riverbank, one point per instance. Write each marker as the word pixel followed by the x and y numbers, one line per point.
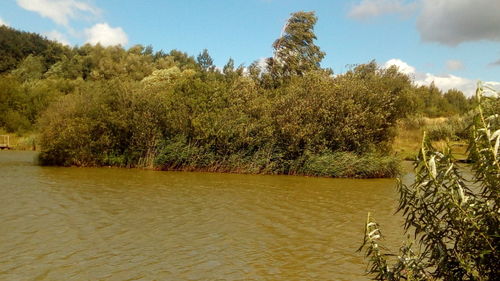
pixel 176 157
pixel 335 165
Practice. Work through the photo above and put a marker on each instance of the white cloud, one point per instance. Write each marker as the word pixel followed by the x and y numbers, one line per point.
pixel 57 36
pixel 449 81
pixel 443 82
pixel 494 85
pixel 452 22
pixel 2 22
pixel 106 35
pixel 453 65
pixel 60 11
pixel 402 66
pixel 367 9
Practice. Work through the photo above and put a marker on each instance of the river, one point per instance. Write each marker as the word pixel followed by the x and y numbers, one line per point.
pixel 130 224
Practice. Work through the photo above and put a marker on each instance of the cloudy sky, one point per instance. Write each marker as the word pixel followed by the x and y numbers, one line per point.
pixel 451 42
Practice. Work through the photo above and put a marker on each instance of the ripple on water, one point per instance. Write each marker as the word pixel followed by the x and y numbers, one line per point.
pixel 119 224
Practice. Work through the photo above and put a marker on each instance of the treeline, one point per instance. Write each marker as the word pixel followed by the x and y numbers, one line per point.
pixel 111 106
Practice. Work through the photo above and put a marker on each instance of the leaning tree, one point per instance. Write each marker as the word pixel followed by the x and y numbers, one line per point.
pixel 295 52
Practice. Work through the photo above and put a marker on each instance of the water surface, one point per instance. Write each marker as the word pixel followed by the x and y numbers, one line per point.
pixel 130 224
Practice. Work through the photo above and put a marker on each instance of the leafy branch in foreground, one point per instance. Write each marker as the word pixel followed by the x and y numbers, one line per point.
pixel 454 220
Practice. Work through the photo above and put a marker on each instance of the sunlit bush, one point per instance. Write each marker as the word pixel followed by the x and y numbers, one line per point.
pixel 455 220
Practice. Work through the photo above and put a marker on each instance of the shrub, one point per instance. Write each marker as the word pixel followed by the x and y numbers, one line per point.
pixel 454 128
pixel 111 123
pixel 455 221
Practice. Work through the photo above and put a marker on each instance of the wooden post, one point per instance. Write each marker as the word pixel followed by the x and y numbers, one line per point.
pixel 5 143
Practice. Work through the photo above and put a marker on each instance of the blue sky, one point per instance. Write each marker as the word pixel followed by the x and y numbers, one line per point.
pixel 450 42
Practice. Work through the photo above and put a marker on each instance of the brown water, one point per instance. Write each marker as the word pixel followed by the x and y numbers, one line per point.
pixel 128 224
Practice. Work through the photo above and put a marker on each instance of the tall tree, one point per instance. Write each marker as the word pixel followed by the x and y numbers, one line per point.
pixel 205 60
pixel 295 52
pixel 229 67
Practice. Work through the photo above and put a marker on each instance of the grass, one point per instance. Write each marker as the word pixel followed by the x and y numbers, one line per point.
pixel 409 134
pixel 351 165
pixel 177 156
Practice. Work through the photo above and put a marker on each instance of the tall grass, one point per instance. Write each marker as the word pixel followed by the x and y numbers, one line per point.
pixel 328 164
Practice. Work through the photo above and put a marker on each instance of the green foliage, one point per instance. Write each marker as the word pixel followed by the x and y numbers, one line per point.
pixel 22 103
pixel 102 125
pixel 31 68
pixel 431 102
pixel 295 52
pixel 455 220
pixel 308 110
pixel 15 121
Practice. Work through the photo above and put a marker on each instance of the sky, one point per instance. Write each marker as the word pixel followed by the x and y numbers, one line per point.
pixel 453 43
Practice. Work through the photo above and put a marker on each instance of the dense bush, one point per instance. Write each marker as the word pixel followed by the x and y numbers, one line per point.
pixel 111 123
pixel 188 120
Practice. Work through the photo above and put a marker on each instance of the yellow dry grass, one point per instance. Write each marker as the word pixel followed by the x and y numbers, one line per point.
pixel 408 142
